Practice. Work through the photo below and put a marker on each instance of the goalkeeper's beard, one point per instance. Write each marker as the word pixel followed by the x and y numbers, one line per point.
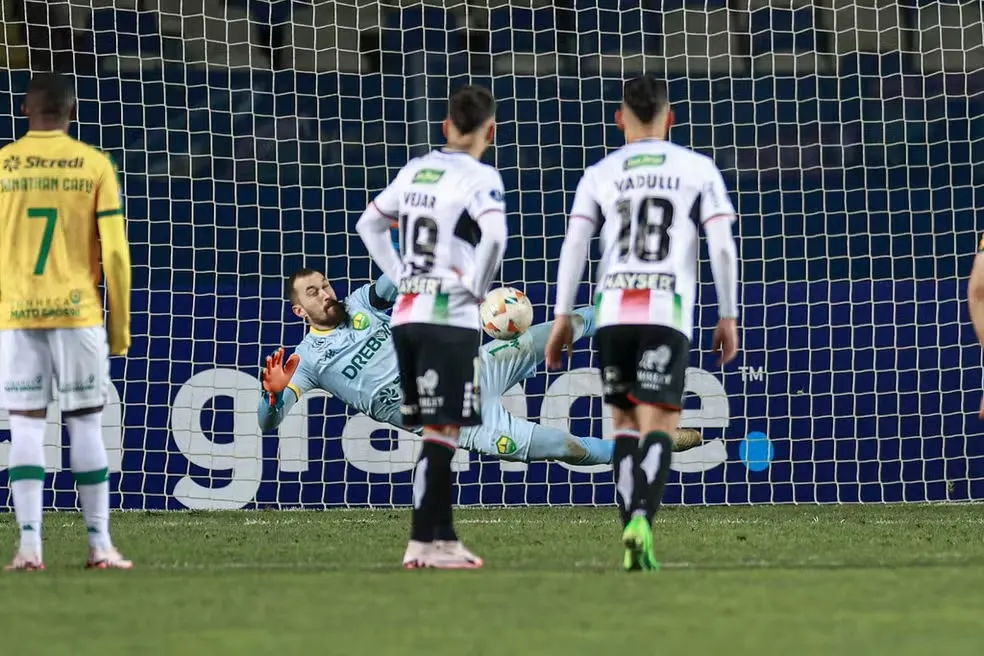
pixel 335 314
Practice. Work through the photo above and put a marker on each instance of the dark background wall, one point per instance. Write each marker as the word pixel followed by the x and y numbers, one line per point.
pixel 856 186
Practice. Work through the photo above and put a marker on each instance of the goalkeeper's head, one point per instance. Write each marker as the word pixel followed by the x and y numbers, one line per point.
pixel 50 102
pixel 645 112
pixel 470 125
pixel 313 299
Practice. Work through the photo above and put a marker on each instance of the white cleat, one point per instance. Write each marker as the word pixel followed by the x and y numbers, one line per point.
pixel 454 555
pixel 25 562
pixel 107 559
pixel 417 554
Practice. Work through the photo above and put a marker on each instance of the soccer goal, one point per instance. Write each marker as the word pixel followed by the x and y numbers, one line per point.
pixel 250 135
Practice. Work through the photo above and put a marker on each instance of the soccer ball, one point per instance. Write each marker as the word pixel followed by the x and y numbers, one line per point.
pixel 506 313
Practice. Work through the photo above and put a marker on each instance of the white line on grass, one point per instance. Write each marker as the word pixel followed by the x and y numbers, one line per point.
pixel 939 560
pixel 328 518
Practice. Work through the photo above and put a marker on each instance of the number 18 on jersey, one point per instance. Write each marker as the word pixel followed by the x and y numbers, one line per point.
pixel 650 213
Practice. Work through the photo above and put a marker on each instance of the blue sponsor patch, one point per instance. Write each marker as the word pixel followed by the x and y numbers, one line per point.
pixel 496 195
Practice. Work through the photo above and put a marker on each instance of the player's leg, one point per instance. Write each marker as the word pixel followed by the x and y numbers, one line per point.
pixel 617 348
pixel 662 359
pixel 81 362
pixel 25 391
pixel 439 373
pixel 406 356
pixel 508 363
pixel 511 438
pixel 460 408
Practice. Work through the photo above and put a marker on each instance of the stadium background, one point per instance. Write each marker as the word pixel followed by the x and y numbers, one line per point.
pixel 856 175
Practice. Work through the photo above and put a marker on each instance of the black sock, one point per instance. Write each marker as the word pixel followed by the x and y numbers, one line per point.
pixel 443 510
pixel 653 466
pixel 624 469
pixel 431 491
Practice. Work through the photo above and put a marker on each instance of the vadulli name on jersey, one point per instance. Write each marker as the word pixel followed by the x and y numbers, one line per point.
pixel 651 181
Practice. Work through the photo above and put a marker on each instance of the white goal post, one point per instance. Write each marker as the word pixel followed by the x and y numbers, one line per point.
pixel 250 135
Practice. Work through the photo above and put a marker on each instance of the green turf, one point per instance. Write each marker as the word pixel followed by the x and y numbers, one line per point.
pixel 791 581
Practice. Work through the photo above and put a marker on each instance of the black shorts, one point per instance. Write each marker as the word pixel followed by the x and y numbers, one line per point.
pixel 643 364
pixel 438 374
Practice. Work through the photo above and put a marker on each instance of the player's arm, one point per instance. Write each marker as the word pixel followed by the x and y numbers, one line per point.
pixel 382 293
pixel 115 252
pixel 488 207
pixel 975 292
pixel 975 300
pixel 374 228
pixel 584 219
pixel 716 215
pixel 282 388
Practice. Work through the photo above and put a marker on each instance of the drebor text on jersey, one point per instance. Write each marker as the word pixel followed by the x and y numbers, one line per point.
pixel 365 354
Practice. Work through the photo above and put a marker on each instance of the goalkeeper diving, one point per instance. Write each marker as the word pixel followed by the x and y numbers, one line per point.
pixel 348 352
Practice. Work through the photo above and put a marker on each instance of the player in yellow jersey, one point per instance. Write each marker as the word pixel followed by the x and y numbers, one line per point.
pixel 61 212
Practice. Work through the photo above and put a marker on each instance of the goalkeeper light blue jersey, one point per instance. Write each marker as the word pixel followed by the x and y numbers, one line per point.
pixel 356 362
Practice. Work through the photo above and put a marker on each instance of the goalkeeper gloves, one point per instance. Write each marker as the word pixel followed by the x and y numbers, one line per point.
pixel 277 374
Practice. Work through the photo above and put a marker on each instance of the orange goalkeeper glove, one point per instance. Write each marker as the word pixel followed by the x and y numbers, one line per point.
pixel 277 374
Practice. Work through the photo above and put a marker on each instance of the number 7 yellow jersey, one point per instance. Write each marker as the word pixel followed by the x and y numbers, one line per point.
pixel 60 210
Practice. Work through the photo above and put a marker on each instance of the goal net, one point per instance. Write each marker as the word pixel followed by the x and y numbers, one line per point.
pixel 250 136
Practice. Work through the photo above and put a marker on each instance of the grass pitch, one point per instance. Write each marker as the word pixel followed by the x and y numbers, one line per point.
pixel 870 580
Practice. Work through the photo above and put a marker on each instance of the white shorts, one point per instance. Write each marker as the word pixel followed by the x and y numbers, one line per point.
pixel 34 364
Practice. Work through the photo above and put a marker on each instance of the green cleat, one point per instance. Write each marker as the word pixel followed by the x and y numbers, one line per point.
pixel 638 541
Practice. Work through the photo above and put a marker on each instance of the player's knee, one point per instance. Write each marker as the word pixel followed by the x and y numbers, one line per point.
pixel 576 452
pixel 624 418
pixel 660 417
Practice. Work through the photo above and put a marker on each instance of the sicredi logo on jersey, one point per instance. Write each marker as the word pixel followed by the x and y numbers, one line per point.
pixel 35 162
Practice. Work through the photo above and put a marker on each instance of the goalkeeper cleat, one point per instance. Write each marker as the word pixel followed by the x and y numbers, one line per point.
pixel 417 554
pixel 25 562
pixel 107 559
pixel 454 555
pixel 687 438
pixel 638 541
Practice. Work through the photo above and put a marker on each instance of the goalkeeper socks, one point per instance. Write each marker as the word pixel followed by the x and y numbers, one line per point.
pixel 624 459
pixel 596 452
pixel 26 478
pixel 654 465
pixel 588 328
pixel 90 467
pixel 432 489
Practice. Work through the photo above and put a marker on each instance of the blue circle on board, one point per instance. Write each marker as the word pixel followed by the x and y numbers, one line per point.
pixel 756 451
